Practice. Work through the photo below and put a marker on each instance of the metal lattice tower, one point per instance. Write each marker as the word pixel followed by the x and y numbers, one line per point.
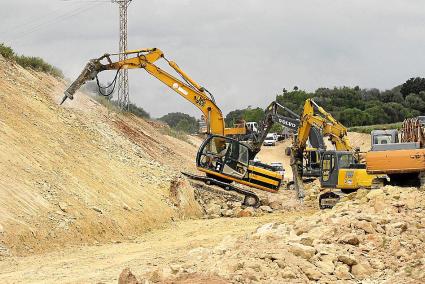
pixel 123 87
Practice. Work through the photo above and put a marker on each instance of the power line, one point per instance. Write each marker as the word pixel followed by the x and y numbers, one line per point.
pixel 54 20
pixel 123 86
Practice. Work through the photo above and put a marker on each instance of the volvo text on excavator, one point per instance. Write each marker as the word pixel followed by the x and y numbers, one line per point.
pixel 276 113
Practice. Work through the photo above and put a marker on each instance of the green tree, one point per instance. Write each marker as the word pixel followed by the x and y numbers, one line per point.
pixel 234 116
pixel 413 85
pixel 354 116
pixel 377 115
pixel 181 122
pixel 414 101
pixel 6 51
pixel 138 111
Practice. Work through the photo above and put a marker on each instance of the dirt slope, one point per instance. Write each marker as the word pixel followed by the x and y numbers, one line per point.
pixel 80 173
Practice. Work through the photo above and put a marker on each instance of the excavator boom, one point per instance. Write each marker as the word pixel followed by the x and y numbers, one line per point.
pixel 145 59
pixel 221 158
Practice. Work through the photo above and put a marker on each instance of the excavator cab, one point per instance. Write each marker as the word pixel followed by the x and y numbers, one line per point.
pixel 227 160
pixel 312 162
pixel 225 156
pixel 340 169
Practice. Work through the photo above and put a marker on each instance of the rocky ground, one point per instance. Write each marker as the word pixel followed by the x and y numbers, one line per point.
pixel 372 236
pixel 217 203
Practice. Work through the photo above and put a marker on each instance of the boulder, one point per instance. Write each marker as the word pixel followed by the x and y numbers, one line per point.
pixel 247 212
pixel 276 205
pixel 228 213
pixel 126 277
pixel 395 229
pixel 266 228
pixel 266 209
pixel 375 194
pixel 310 270
pixel 351 239
pixel 379 205
pixel 213 209
pixel 361 270
pixel 347 259
pixel 300 250
pixel 288 273
pixel 325 266
pixel 342 272
pixel 365 226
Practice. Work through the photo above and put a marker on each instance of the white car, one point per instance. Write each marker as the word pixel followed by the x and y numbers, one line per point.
pixel 269 141
pixel 278 168
pixel 275 136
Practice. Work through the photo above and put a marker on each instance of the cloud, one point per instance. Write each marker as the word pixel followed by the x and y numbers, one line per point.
pixel 245 52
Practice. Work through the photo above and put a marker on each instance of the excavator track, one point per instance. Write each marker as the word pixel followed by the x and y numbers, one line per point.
pixel 250 198
pixel 329 199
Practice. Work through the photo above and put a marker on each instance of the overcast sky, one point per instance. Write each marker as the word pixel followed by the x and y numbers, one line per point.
pixel 243 51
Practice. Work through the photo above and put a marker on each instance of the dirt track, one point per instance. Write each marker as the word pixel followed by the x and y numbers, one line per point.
pixel 103 263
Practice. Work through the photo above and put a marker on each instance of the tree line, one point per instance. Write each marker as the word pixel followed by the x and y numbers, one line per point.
pixel 352 106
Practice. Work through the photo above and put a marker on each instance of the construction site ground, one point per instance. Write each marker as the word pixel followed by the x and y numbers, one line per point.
pixel 103 263
pixel 87 191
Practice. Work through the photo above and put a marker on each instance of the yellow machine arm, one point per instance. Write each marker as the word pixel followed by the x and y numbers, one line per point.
pixel 314 115
pixel 190 90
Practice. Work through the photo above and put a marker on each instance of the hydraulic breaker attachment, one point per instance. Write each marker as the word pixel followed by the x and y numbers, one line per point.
pixel 89 73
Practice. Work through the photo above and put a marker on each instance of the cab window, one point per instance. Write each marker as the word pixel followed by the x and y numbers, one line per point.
pixel 345 161
pixel 382 139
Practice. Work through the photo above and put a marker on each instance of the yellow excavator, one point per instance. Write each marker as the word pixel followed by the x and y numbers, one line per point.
pixel 224 160
pixel 340 168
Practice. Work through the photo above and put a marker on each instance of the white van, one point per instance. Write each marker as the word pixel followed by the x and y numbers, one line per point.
pixel 270 140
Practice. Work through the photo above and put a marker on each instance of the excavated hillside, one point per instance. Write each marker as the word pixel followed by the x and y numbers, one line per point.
pixel 80 173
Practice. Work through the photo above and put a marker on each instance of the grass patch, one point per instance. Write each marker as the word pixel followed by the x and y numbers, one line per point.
pixel 176 134
pixel 30 62
pixel 113 106
pixel 368 128
pixel 109 104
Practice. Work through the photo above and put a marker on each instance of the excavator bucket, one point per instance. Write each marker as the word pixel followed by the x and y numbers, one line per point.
pixel 297 175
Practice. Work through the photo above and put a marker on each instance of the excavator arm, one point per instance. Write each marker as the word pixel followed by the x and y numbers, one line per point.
pixel 291 121
pixel 315 116
pixel 145 59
